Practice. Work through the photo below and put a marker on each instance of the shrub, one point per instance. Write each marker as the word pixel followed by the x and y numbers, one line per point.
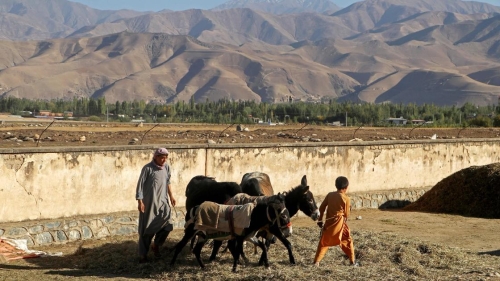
pixel 124 119
pixel 480 121
pixel 94 118
pixel 496 121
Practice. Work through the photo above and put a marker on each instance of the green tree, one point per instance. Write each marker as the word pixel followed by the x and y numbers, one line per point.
pixel 496 121
pixel 480 121
pixel 117 107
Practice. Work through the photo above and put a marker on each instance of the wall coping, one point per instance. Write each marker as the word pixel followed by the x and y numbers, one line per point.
pixel 62 149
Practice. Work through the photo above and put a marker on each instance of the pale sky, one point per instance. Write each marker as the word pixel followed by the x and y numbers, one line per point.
pixel 178 5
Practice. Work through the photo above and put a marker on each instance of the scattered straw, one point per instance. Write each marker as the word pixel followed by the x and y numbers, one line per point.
pixel 382 257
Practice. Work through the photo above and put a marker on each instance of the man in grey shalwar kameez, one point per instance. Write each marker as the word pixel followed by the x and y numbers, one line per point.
pixel 153 193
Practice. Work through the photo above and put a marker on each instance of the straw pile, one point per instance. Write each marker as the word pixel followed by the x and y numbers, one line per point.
pixel 474 192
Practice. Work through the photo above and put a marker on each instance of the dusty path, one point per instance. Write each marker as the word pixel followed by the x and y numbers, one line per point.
pixel 474 234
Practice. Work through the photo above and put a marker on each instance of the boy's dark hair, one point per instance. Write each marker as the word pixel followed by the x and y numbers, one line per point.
pixel 341 183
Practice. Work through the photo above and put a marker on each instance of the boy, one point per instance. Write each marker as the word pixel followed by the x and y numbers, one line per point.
pixel 335 230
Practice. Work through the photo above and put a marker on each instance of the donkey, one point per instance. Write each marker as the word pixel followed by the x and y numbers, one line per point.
pixel 298 198
pixel 270 214
pixel 202 188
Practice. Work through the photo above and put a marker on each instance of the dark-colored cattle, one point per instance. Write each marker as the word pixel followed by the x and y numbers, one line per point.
pixel 202 188
pixel 272 214
pixel 256 184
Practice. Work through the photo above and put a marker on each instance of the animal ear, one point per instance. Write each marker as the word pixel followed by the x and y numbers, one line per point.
pixel 281 196
pixel 306 189
pixel 304 180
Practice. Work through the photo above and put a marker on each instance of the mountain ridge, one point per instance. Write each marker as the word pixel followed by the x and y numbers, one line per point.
pixel 281 6
pixel 400 51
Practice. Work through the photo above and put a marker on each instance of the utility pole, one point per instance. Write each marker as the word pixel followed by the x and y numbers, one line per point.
pixel 346 118
pixel 107 114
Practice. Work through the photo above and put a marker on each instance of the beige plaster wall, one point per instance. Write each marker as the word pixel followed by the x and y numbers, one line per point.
pixel 368 166
pixel 48 183
pixel 81 181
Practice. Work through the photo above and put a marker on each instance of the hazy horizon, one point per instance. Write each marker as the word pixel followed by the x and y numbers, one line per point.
pixel 179 5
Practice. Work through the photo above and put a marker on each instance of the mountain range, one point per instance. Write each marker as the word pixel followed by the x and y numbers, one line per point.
pixel 42 19
pixel 282 6
pixel 444 52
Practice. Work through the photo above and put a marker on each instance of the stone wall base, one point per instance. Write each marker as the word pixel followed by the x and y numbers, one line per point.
pixel 385 199
pixel 94 227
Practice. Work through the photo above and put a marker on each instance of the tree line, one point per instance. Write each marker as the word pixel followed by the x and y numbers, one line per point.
pixel 229 111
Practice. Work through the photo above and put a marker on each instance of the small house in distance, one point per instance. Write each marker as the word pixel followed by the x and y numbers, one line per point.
pixel 45 113
pixel 417 122
pixel 335 123
pixel 397 121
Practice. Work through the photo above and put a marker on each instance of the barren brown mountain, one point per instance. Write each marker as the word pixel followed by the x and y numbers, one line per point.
pixel 29 19
pixel 282 6
pixel 487 76
pixel 234 26
pixel 159 67
pixel 442 51
pixel 365 15
pixel 417 23
pixel 428 87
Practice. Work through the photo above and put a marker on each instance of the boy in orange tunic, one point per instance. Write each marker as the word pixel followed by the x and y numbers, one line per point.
pixel 335 230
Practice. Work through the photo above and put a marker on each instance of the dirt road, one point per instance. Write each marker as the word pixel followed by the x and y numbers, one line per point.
pixel 113 258
pixel 63 133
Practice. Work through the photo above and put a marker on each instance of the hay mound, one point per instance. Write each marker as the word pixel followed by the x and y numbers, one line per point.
pixel 474 191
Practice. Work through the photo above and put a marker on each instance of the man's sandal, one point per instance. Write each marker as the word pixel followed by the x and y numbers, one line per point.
pixel 156 251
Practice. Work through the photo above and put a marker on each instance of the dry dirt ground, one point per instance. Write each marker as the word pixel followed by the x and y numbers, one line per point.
pixel 63 133
pixel 450 247
pixel 465 249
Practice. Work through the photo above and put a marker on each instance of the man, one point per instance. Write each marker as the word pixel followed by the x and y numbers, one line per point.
pixel 152 194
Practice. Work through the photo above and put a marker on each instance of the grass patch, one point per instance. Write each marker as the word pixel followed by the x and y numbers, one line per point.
pixel 389 221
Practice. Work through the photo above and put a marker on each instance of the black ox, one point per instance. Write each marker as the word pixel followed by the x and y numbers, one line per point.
pixel 202 188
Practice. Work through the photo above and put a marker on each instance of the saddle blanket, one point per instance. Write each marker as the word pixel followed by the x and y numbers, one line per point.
pixel 243 198
pixel 211 216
